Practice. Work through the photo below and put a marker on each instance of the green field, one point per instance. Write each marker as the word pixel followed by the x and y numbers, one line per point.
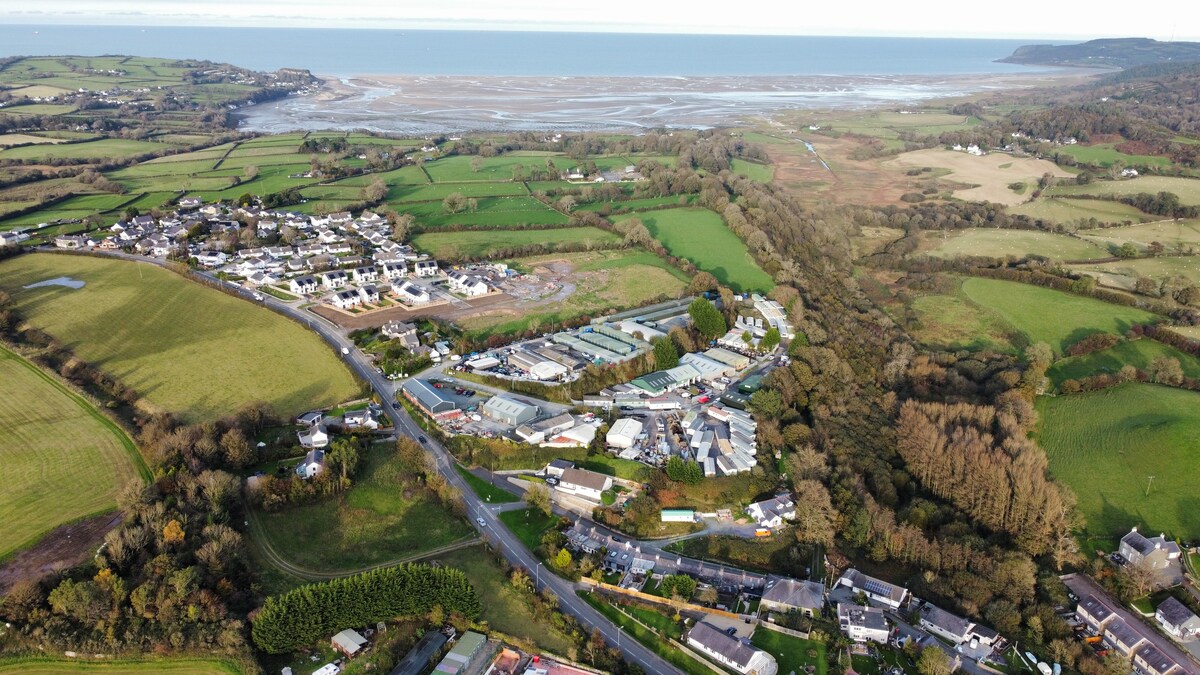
pixel 647 637
pixel 499 212
pixel 1188 189
pixel 1123 273
pixel 438 192
pixel 185 348
pixel 458 168
pixel 529 525
pixel 995 243
pixel 481 243
pixel 1182 235
pixel 953 322
pixel 1137 353
pixel 1105 445
pixel 104 148
pixel 1044 315
pixel 384 516
pixel 1064 210
pixel 703 238
pixel 487 491
pixel 759 173
pixel 179 666
pixel 1106 154
pixel 63 460
pixel 792 653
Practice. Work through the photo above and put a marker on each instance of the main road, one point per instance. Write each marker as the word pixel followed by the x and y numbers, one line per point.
pixel 479 515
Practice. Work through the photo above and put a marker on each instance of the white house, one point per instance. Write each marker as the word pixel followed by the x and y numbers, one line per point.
pixel 1155 553
pixel 395 270
pixel 1177 619
pixel 412 293
pixel 772 513
pixel 303 285
pixel 211 258
pixel 369 294
pixel 313 464
pixel 425 268
pixel 863 624
pixel 944 624
pixel 365 275
pixel 583 483
pixel 346 299
pixel 12 238
pixel 875 589
pixel 333 279
pixel 730 651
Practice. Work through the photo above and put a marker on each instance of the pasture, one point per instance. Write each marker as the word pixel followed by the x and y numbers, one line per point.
pixel 63 460
pixel 457 169
pixel 500 212
pixel 701 236
pixel 1137 353
pixel 1106 154
pixel 953 322
pixel 21 139
pixel 1105 445
pixel 759 173
pixel 1063 210
pixel 1045 315
pixel 996 243
pixel 185 348
pixel 1188 189
pixel 1123 273
pixel 988 177
pixel 1180 235
pixel 179 666
pixel 104 148
pixel 480 243
pixel 382 517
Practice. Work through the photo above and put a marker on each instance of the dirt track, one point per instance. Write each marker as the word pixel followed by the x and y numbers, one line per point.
pixel 63 548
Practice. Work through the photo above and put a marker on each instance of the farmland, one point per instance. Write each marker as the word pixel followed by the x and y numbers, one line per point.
pixel 179 666
pixel 1180 235
pixel 1044 315
pixel 52 443
pixel 1188 189
pixel 997 243
pixel 703 238
pixel 761 173
pixel 481 243
pixel 191 350
pixel 1105 445
pixel 1137 353
pixel 1106 154
pixel 104 148
pixel 1064 210
pixel 953 322
pixel 1123 273
pixel 382 517
pixel 986 178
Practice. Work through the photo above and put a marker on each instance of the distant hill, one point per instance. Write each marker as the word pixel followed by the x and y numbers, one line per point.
pixel 1107 53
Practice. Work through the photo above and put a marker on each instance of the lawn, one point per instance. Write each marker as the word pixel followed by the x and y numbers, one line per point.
pixel 1139 353
pixel 485 490
pixel 703 238
pixel 482 243
pixel 180 666
pixel 185 348
pixel 647 637
pixel 504 610
pixel 383 517
pixel 792 653
pixel 1045 315
pixel 529 525
pixel 63 460
pixel 608 465
pixel 1188 189
pixel 995 243
pixel 1106 445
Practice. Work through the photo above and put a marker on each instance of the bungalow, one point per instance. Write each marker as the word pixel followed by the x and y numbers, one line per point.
pixel 1157 553
pixel 863 624
pixel 346 299
pixel 425 268
pixel 143 221
pixel 772 513
pixel 369 294
pixel 333 279
pixel 360 419
pixel 348 642
pixel 365 275
pixel 1177 619
pixel 412 293
pixel 337 247
pixel 211 258
pixel 310 249
pixel 261 279
pixel 875 589
pixel 395 270
pixel 189 203
pixel 313 464
pixel 340 218
pixel 372 219
pixel 729 651
pixel 310 418
pixel 313 437
pixel 783 595
pixel 582 483
pixel 944 624
pixel 71 242
pixel 304 285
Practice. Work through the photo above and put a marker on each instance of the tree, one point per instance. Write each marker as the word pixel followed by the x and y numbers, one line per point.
pixel 538 497
pixel 1127 250
pixel 768 403
pixel 770 340
pixel 562 561
pixel 665 355
pixel 684 471
pixel 816 519
pixel 476 163
pixel 1166 370
pixel 707 318
pixel 933 661
pixel 402 226
pixel 454 202
pixel 702 282
pixel 173 532
pixel 375 192
pixel 343 457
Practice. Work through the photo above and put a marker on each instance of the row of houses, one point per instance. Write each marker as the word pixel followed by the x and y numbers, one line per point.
pixel 1129 638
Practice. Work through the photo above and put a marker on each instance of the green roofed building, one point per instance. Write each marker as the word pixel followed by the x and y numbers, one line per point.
pixel 655 383
pixel 459 656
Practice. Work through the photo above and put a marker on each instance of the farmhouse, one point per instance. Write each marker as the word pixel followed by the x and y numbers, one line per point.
pixel 347 299
pixel 1156 553
pixel 730 651
pixel 863 624
pixel 348 642
pixel 785 595
pixel 508 411
pixel 313 464
pixel 425 268
pixel 412 293
pixel 428 398
pixel 879 591
pixel 403 331
pixel 772 513
pixel 585 484
pixel 305 285
pixel 1177 619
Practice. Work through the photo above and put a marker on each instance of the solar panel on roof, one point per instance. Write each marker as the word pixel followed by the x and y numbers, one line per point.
pixel 876 587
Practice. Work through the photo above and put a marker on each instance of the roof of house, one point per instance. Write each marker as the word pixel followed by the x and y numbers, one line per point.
pixel 1153 657
pixel 561 464
pixel 951 623
pixel 1095 608
pixel 794 593
pixel 864 617
pixel 314 457
pixel 874 586
pixel 586 479
pixel 1122 632
pixel 715 640
pixel 1138 542
pixel 1174 612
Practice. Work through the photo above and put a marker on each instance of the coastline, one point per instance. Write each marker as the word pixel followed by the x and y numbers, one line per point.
pixel 424 105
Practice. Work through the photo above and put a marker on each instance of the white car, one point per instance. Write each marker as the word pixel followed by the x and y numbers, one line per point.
pixel 481 521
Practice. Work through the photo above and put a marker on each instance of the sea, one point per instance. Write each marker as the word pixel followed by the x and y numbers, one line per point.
pixel 443 81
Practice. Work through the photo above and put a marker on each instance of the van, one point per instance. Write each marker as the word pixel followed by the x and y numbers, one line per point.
pixel 762 532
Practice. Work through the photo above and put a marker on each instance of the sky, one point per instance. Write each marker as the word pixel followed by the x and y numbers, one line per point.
pixel 1020 19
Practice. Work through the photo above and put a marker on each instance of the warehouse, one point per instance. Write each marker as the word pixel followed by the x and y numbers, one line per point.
pixel 508 411
pixel 624 433
pixel 732 359
pixel 428 398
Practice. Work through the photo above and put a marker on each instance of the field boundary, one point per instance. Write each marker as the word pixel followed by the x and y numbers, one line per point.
pixel 225 665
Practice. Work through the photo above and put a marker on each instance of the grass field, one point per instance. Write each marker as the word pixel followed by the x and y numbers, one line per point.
pixel 180 666
pixel 1107 444
pixel 1105 154
pixel 1188 189
pixel 1044 315
pixel 759 173
pixel 103 148
pixel 792 653
pixel 485 490
pixel 185 348
pixel 1182 235
pixel 1138 353
pixel 1124 273
pixel 458 168
pixel 529 525
pixel 63 460
pixel 1063 210
pixel 20 139
pixel 996 243
pixel 480 243
pixel 504 610
pixel 953 322
pixel 381 518
pixel 647 637
pixel 991 174
pixel 703 238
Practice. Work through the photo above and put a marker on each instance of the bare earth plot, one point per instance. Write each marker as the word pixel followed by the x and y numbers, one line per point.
pixel 990 174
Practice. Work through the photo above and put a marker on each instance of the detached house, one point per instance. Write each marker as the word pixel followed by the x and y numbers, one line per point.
pixel 313 464
pixel 346 299
pixel 582 483
pixel 365 275
pixel 425 268
pixel 333 279
pixel 879 591
pixel 729 651
pixel 305 285
pixel 773 512
pixel 863 624
pixel 1156 553
pixel 412 293
pixel 369 294
pixel 783 595
pixel 395 270
pixel 1177 619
